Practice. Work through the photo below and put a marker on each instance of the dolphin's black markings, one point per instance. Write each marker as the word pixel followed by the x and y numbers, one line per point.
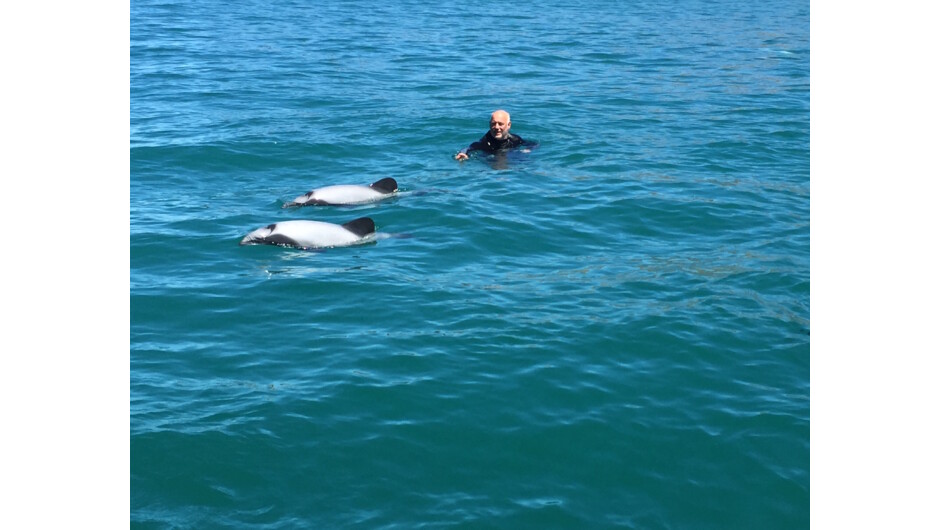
pixel 309 202
pixel 280 239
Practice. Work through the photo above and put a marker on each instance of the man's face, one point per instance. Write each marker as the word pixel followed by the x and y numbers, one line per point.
pixel 499 126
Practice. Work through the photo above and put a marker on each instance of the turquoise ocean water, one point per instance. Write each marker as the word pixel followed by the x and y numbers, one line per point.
pixel 611 331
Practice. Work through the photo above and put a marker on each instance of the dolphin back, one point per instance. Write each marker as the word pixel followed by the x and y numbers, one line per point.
pixel 306 234
pixel 341 194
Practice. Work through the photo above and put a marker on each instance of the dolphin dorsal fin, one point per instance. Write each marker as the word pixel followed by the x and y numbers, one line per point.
pixel 386 185
pixel 361 227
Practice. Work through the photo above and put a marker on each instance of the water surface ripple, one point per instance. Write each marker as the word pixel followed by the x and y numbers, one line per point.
pixel 609 331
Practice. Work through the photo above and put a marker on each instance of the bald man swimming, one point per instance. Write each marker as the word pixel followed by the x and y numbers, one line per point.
pixel 498 138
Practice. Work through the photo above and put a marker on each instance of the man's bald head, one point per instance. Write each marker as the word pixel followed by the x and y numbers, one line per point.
pixel 500 124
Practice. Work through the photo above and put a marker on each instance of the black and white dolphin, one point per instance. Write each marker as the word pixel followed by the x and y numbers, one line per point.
pixel 343 194
pixel 313 234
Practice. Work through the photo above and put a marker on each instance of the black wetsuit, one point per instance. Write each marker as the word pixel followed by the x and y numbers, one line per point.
pixel 491 145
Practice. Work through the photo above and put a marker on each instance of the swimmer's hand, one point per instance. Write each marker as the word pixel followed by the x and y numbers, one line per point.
pixel 461 156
